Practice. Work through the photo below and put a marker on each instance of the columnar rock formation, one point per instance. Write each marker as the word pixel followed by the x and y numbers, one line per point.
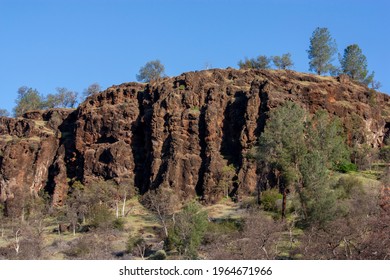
pixel 178 132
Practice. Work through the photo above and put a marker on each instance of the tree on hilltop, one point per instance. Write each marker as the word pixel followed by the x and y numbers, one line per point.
pixel 28 99
pixel 321 51
pixel 151 71
pixel 261 62
pixel 354 64
pixel 4 113
pixel 92 89
pixel 283 62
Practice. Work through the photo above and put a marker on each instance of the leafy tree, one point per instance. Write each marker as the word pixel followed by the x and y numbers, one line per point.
pixel 52 101
pixel 298 150
pixel 152 71
pixel 321 51
pixel 92 89
pixel 4 113
pixel 283 62
pixel 354 64
pixel 326 135
pixel 261 62
pixel 65 97
pixel 28 99
pixel 188 230
pixel 278 152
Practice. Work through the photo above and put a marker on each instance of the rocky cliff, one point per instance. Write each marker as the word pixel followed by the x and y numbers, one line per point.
pixel 182 132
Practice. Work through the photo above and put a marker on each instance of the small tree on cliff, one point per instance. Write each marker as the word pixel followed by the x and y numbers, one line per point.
pixel 4 113
pixel 283 62
pixel 92 89
pixel 321 51
pixel 261 62
pixel 152 71
pixel 28 99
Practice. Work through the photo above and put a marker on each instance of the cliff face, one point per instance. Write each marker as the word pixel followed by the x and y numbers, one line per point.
pixel 181 132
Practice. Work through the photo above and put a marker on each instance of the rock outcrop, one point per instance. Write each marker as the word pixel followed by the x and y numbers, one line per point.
pixel 181 132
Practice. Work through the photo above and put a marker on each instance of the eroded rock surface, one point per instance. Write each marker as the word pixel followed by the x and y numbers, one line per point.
pixel 180 132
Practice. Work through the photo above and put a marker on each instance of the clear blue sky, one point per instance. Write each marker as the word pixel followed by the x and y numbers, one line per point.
pixel 46 44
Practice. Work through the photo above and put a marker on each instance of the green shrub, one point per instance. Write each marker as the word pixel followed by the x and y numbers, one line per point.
pixel 119 224
pixel 346 167
pixel 133 242
pixel 195 108
pixel 188 231
pixel 159 255
pixel 182 87
pixel 347 185
pixel 101 217
pixel 384 153
pixel 268 199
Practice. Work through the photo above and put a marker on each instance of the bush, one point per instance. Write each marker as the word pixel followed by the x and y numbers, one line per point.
pixel 346 167
pixel 384 153
pixel 347 185
pixel 119 224
pixel 188 231
pixel 269 199
pixel 102 217
pixel 159 255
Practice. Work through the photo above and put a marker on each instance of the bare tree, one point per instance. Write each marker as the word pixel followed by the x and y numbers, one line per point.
pixel 4 113
pixel 92 89
pixel 137 245
pixel 258 240
pixel 162 202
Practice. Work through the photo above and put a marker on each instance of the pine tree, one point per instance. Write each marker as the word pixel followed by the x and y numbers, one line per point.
pixel 354 64
pixel 321 51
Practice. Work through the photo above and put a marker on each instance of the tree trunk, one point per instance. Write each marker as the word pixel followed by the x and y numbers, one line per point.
pixel 284 203
pixel 124 206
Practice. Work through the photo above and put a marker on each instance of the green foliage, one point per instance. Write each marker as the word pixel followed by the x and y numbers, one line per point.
pixel 101 217
pixel 28 99
pixel 283 62
pixel 119 224
pixel 346 167
pixel 182 87
pixel 261 62
pixel 225 181
pixel 152 71
pixel 354 64
pixel 62 99
pixel 277 149
pixel 318 202
pixel 159 255
pixel 347 185
pixel 188 230
pixel 133 241
pixel 299 149
pixel 321 51
pixel 269 198
pixel 195 108
pixel 384 153
pixel 326 134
